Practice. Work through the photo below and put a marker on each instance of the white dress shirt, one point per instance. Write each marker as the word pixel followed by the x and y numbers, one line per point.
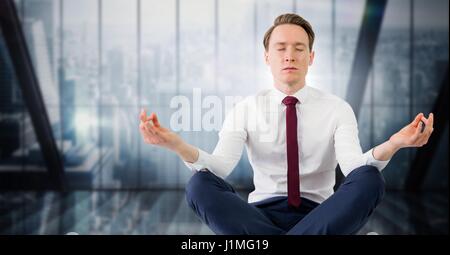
pixel 327 134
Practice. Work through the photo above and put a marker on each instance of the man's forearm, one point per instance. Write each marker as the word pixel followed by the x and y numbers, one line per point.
pixel 187 152
pixel 385 151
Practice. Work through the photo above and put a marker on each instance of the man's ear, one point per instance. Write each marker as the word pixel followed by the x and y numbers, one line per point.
pixel 266 57
pixel 311 57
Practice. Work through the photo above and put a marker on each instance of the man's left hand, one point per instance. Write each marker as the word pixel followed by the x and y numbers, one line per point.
pixel 412 134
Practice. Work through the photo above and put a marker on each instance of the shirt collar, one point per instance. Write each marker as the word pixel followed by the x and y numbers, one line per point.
pixel 301 95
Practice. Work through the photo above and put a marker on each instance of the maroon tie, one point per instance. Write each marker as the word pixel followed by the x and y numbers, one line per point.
pixel 293 179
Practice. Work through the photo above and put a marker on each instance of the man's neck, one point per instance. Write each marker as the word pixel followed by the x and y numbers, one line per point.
pixel 289 89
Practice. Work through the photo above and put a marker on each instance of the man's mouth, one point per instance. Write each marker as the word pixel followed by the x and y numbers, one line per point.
pixel 290 69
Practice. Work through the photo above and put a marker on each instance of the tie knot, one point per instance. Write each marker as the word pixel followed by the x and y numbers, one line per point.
pixel 290 100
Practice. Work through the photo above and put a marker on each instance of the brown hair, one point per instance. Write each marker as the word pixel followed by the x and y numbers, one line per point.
pixel 290 18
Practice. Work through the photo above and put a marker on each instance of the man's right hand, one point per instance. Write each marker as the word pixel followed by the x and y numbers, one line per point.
pixel 154 133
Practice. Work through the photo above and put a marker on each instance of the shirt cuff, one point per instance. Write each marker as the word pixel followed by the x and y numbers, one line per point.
pixel 371 161
pixel 200 164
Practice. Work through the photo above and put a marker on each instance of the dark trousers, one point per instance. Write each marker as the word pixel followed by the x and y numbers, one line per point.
pixel 345 212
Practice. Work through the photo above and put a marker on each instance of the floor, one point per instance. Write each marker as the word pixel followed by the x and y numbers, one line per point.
pixel 166 212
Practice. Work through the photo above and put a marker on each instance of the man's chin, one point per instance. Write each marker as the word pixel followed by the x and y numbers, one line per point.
pixel 292 83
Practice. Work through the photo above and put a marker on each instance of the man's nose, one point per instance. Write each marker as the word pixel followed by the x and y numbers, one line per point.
pixel 289 59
